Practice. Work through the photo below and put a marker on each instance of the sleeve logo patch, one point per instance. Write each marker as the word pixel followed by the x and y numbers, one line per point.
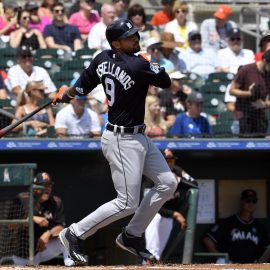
pixel 79 90
pixel 154 67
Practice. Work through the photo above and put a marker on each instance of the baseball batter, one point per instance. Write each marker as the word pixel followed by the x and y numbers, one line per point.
pixel 130 153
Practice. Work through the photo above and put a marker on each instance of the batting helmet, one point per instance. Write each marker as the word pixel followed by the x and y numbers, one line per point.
pixel 120 29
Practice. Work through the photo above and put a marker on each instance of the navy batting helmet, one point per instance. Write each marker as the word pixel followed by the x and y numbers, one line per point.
pixel 120 29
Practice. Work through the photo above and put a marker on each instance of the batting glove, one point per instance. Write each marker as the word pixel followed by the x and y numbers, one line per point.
pixel 62 95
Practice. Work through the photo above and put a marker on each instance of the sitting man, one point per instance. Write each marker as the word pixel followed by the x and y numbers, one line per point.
pixel 191 123
pixel 240 235
pixel 61 35
pixel 76 120
pixel 24 71
pixel 48 218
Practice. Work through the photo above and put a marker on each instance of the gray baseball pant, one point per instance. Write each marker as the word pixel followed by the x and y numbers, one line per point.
pixel 130 156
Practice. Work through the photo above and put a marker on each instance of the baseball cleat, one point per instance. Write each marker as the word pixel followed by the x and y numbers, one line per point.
pixel 134 245
pixel 73 245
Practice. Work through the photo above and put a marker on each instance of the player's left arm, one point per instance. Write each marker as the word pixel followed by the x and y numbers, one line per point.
pixel 154 74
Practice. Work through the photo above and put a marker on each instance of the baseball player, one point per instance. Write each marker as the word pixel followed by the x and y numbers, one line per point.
pixel 130 153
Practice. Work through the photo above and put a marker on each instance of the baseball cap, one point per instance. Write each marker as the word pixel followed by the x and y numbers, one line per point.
pixel 153 42
pixel 249 194
pixel 193 34
pixel 234 32
pixel 223 12
pixel 266 56
pixel 195 96
pixel 24 51
pixel 177 75
pixel 31 5
pixel 10 4
pixel 42 178
pixel 168 41
pixel 265 37
pixel 165 2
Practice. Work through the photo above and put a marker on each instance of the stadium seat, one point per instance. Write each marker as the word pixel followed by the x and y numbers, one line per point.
pixel 49 53
pixel 193 80
pixel 48 63
pixel 219 77
pixel 218 89
pixel 9 53
pixel 76 65
pixel 6 63
pixel 213 104
pixel 85 53
pixel 65 77
pixel 223 124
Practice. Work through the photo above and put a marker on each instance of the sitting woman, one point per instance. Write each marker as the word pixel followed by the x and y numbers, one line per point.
pixel 137 15
pixel 155 125
pixel 28 101
pixel 25 36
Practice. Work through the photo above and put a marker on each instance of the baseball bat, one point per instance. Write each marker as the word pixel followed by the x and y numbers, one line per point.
pixel 8 128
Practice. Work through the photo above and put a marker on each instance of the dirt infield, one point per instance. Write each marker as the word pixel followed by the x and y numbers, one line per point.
pixel 157 267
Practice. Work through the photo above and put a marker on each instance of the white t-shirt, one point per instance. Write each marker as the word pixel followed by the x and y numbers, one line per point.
pixel 77 127
pixel 228 59
pixel 17 77
pixel 97 38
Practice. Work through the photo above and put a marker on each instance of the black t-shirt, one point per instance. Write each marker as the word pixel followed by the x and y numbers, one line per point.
pixel 52 209
pixel 125 78
pixel 244 241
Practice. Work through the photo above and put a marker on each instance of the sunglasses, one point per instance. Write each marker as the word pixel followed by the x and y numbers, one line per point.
pixel 235 39
pixel 59 11
pixel 251 201
pixel 195 38
pixel 181 11
pixel 26 18
pixel 138 13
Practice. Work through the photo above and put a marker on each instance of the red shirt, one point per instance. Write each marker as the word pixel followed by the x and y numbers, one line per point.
pixel 160 18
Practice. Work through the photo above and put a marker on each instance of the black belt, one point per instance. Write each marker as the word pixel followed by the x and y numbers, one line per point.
pixel 127 130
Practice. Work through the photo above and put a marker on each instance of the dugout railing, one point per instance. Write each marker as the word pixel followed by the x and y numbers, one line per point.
pixel 15 178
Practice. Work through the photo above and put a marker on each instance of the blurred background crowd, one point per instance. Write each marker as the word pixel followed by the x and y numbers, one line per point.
pixel 220 80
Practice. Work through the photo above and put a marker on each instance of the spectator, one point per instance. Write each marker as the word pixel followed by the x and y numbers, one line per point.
pixel 169 49
pixel 8 20
pixel 173 211
pixel 137 15
pixel 96 38
pixel 121 7
pixel 191 123
pixel 45 9
pixel 153 47
pixel 173 99
pixel 251 88
pixel 234 55
pixel 264 45
pixel 160 18
pixel 24 71
pixel 36 21
pixel 155 124
pixel 180 27
pixel 28 101
pixel 197 59
pixel 76 120
pixel 24 36
pixel 85 18
pixel 215 30
pixel 242 236
pixel 61 35
pixel 3 91
pixel 49 221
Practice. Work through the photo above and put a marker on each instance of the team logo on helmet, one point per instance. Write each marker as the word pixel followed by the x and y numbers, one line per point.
pixel 128 24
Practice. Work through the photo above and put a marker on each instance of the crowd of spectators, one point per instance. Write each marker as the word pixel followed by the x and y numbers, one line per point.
pixel 183 47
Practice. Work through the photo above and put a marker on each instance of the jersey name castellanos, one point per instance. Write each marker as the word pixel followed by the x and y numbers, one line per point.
pixel 106 68
pixel 125 79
